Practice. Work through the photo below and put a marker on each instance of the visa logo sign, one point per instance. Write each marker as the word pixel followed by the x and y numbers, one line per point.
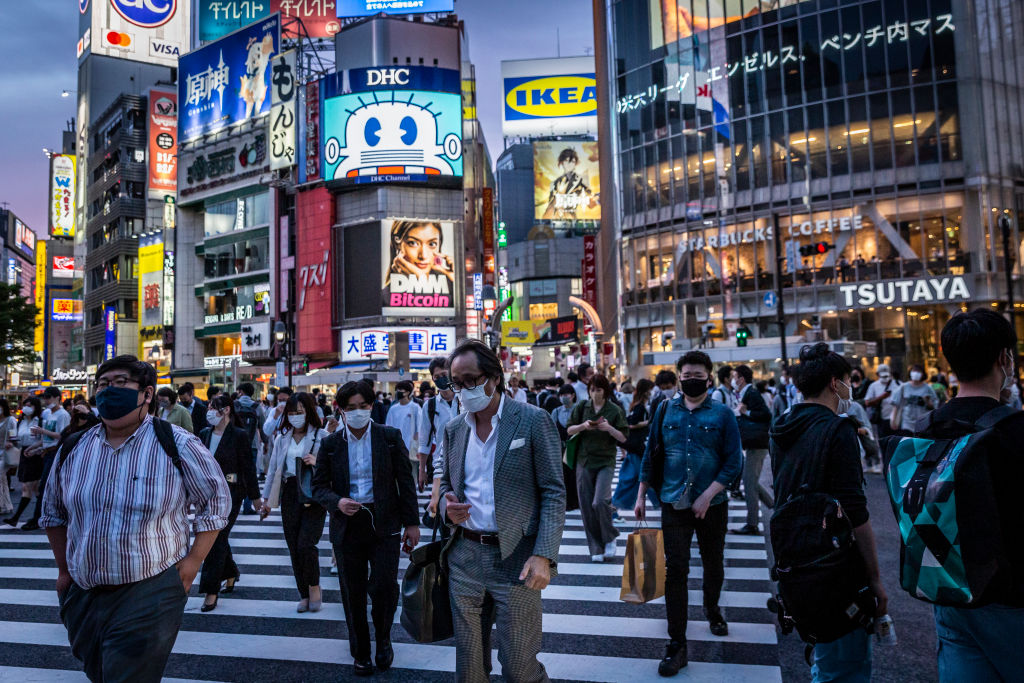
pixel 156 48
pixel 542 97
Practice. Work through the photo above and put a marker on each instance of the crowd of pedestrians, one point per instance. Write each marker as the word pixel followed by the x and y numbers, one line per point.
pixel 138 490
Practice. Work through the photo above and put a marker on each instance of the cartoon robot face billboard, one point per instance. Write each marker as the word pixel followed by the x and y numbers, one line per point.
pixel 392 136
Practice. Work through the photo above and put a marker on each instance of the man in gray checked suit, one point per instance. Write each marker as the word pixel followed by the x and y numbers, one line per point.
pixel 502 488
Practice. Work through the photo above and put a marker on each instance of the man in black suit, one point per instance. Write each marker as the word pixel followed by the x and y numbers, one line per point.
pixel 364 478
pixel 196 407
pixel 753 417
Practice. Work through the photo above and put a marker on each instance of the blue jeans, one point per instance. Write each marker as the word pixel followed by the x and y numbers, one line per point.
pixel 624 497
pixel 847 660
pixel 981 644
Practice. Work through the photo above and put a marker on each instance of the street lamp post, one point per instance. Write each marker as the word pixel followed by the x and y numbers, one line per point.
pixel 780 314
pixel 281 335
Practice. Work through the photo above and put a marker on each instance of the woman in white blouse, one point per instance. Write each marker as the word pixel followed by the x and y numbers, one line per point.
pixel 8 464
pixel 289 484
pixel 30 466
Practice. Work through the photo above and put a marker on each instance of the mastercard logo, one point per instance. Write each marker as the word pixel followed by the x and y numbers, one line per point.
pixel 119 39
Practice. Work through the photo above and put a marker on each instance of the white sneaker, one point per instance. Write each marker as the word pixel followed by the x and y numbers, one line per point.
pixel 334 570
pixel 597 558
pixel 609 550
pixel 876 468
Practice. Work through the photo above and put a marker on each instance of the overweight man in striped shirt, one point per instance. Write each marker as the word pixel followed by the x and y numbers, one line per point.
pixel 115 511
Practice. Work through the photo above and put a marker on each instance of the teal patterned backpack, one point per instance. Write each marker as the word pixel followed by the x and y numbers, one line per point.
pixel 951 548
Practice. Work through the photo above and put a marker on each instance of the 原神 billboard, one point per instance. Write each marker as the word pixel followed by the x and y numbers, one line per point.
pixel 566 181
pixel 418 265
pixel 228 81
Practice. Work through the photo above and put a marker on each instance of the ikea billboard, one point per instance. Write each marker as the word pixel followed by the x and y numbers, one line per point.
pixel 549 97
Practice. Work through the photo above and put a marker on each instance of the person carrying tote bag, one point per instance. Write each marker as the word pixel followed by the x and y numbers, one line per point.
pixel 297 442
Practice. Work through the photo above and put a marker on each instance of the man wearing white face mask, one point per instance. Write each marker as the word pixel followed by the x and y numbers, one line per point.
pixel 364 478
pixel 502 491
pixel 912 402
pixel 878 401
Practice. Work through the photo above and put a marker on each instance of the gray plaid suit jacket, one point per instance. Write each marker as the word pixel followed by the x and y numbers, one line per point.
pixel 529 491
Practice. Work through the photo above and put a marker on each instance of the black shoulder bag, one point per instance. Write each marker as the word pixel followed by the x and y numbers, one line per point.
pixel 426 605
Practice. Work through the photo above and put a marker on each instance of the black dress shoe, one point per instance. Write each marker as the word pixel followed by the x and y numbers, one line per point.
pixel 364 667
pixel 230 587
pixel 718 626
pixel 30 525
pixel 748 530
pixel 385 655
pixel 674 659
pixel 208 607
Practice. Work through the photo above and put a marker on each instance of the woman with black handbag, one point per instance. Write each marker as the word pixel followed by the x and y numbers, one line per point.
pixel 289 484
pixel 364 477
pixel 232 448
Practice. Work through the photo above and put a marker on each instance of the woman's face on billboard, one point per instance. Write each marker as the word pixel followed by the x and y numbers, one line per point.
pixel 420 247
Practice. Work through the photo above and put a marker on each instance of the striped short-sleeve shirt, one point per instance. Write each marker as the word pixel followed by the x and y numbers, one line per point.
pixel 126 509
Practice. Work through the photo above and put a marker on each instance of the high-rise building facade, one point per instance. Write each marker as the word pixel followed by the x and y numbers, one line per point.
pixel 860 157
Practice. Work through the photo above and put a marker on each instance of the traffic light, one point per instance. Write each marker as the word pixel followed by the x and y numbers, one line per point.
pixel 815 249
pixel 742 335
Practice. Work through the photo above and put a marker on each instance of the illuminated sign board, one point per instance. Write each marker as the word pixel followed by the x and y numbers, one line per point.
pixel 372 343
pixel 549 97
pixel 62 195
pixel 152 31
pixel 163 143
pixel 109 332
pixel 366 8
pixel 66 310
pixel 566 181
pixel 217 18
pixel 63 266
pixel 418 266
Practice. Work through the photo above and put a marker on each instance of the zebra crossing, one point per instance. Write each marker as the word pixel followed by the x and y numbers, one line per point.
pixel 256 635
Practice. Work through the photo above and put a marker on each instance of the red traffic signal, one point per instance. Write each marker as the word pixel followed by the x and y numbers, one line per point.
pixel 816 248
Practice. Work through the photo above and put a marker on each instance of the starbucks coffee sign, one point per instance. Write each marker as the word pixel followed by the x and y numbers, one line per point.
pixel 905 292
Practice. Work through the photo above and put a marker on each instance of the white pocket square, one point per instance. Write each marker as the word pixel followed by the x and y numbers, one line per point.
pixel 517 443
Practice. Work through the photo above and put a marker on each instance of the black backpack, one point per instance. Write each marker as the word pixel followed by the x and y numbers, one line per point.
pixel 164 435
pixel 250 421
pixel 823 586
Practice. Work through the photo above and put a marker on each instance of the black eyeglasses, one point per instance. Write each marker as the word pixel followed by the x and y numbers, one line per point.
pixel 469 383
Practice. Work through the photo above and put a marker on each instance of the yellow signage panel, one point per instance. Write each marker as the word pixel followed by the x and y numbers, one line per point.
pixel 518 332
pixel 39 343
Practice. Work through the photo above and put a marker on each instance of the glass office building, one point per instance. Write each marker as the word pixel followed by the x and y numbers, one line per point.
pixel 864 155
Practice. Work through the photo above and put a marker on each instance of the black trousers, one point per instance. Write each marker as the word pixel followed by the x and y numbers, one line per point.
pixel 220 565
pixel 678 527
pixel 367 565
pixel 303 527
pixel 125 633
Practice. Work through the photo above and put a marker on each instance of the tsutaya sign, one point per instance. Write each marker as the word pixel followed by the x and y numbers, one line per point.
pixel 750 235
pixel 905 292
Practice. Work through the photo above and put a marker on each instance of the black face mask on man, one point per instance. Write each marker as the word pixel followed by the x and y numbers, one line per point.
pixel 694 387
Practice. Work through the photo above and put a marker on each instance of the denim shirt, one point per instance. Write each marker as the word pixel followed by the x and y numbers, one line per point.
pixel 692 448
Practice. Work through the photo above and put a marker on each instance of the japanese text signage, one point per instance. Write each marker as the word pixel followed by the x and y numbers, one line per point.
pixel 549 97
pixel 228 81
pixel 163 143
pixel 63 266
pixel 217 18
pixel 109 332
pixel 590 270
pixel 282 112
pixel 66 310
pixel 39 342
pixel 255 337
pixel 62 195
pixel 478 291
pixel 151 280
pixel 365 8
pixel 487 225
pixel 372 343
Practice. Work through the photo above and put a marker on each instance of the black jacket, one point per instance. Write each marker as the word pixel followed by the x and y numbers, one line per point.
pixel 394 491
pixel 754 425
pixel 234 455
pixel 812 445
pixel 199 421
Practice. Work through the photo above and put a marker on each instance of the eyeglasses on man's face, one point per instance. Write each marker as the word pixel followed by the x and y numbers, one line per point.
pixel 120 382
pixel 468 383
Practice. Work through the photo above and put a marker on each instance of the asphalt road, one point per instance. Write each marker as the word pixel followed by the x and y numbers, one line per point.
pixel 912 660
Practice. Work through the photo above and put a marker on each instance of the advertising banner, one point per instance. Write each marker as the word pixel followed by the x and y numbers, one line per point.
pixel 63 266
pixel 163 143
pixel 566 181
pixel 393 124
pixel 62 195
pixel 558 331
pixel 168 289
pixel 217 18
pixel 66 310
pixel 549 97
pixel 418 265
pixel 151 277
pixel 227 82
pixel 672 20
pixel 109 332
pixel 371 343
pixel 590 269
pixel 518 333
pixel 487 230
pixel 282 111
pixel 151 31
pixel 24 237
pixel 365 8
pixel 39 342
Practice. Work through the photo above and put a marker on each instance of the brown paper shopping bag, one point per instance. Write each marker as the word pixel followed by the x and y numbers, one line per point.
pixel 643 570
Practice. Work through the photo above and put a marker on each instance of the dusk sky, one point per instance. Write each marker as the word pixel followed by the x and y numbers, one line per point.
pixel 38 61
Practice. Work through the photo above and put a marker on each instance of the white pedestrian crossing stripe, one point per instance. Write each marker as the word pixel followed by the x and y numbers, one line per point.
pixel 590 635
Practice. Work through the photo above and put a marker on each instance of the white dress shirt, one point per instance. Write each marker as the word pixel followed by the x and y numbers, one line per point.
pixel 582 393
pixel 478 487
pixel 520 396
pixel 406 419
pixel 445 412
pixel 360 466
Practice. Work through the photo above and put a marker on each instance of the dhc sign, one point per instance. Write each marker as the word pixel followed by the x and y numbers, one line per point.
pixel 905 292
pixel 146 13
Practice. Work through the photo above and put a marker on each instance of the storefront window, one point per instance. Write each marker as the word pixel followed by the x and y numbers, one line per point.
pixel 237 214
pixel 237 258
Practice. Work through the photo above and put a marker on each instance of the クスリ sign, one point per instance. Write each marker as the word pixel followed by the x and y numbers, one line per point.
pixel 902 292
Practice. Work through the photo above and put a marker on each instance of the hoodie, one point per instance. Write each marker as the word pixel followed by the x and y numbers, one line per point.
pixel 812 445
